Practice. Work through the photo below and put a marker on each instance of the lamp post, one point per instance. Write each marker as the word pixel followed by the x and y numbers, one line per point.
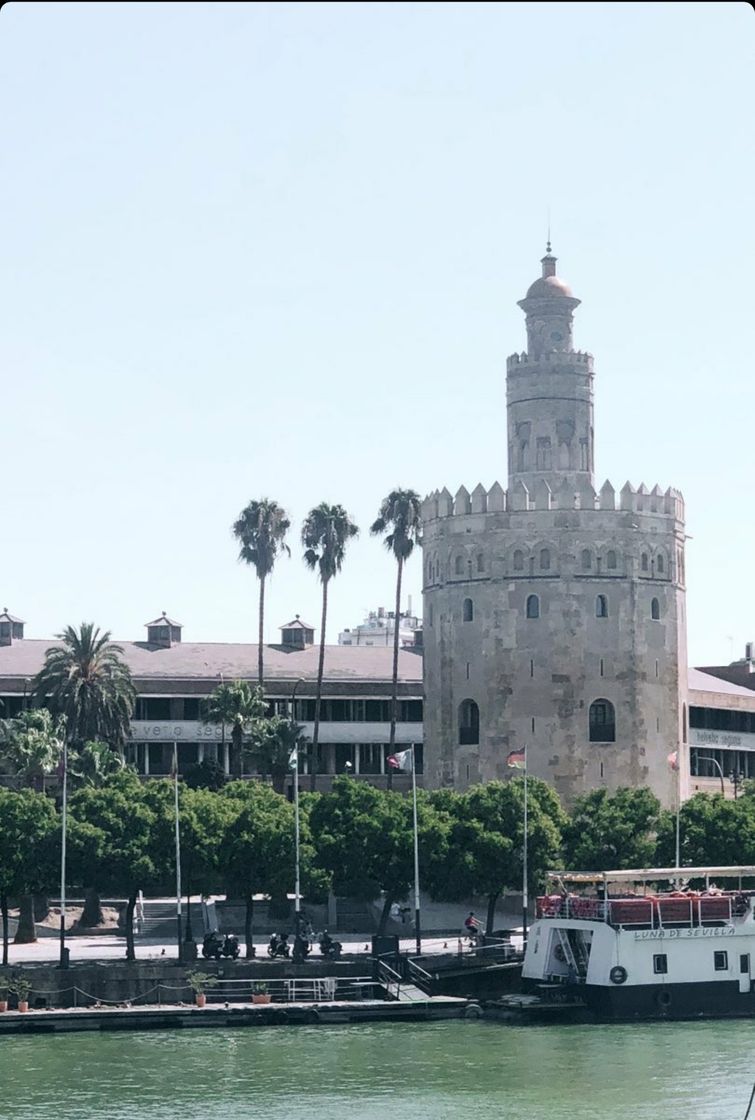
pixel 736 778
pixel 298 948
pixel 709 758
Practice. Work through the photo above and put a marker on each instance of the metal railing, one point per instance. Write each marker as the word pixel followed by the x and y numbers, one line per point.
pixel 682 910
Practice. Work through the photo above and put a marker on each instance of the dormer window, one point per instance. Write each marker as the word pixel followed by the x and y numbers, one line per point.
pixel 164 631
pixel 11 628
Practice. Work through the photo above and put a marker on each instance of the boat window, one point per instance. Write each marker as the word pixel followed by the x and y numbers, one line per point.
pixel 721 961
pixel 660 963
pixel 744 963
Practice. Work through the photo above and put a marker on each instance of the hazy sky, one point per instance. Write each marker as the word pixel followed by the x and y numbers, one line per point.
pixel 275 249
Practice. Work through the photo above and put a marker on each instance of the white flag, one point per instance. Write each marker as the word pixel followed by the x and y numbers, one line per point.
pixel 402 760
pixel 293 759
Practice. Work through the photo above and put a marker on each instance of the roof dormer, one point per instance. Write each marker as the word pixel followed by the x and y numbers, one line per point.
pixel 164 631
pixel 11 628
pixel 297 634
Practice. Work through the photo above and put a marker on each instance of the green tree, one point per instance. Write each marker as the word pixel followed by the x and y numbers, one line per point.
pixel 713 832
pixel 114 843
pixel 202 819
pixel 258 845
pixel 260 530
pixel 486 840
pixel 400 513
pixel 611 831
pixel 364 839
pixel 86 680
pixel 238 705
pixel 29 836
pixel 325 534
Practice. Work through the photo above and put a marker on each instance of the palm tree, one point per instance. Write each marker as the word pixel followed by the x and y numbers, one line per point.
pixel 260 529
pixel 31 745
pixel 86 680
pixel 94 765
pixel 240 706
pixel 272 745
pixel 325 534
pixel 399 512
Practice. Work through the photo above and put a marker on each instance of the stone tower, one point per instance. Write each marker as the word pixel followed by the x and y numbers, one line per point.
pixel 554 615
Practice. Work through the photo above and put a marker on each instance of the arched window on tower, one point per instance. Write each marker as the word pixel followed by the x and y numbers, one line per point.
pixel 459 566
pixel 480 562
pixel 544 458
pixel 660 564
pixel 545 559
pixel 469 723
pixel 518 561
pixel 601 607
pixel 429 571
pixel 655 610
pixel 611 560
pixel 586 560
pixel 467 611
pixel 533 606
pixel 644 562
pixel 602 722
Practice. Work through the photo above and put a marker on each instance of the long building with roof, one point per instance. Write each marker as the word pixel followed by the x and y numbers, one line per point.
pixel 173 677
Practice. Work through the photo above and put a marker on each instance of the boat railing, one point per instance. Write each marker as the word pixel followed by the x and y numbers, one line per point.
pixel 654 912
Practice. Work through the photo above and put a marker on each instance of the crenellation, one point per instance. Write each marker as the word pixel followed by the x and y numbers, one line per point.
pixel 519 497
pixel 445 503
pixel 479 499
pixel 607 496
pixel 462 502
pixel 496 498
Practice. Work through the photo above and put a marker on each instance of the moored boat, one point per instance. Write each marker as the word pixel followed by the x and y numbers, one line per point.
pixel 636 944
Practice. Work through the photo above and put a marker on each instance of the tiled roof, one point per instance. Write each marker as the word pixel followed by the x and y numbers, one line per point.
pixel 297 624
pixel 207 660
pixel 6 617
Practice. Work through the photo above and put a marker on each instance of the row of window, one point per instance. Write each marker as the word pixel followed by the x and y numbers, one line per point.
pixel 532 608
pixel 331 710
pixel 601 722
pixel 722 719
pixel 720 962
pixel 156 759
pixel 651 564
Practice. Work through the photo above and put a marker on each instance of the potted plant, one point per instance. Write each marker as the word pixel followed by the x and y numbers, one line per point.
pixel 3 994
pixel 260 993
pixel 20 988
pixel 198 981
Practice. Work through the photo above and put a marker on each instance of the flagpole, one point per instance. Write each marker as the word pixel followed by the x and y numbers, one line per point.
pixel 178 853
pixel 417 927
pixel 298 947
pixel 525 876
pixel 64 823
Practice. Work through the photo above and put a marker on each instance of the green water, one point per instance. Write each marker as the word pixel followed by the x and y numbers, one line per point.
pixel 403 1071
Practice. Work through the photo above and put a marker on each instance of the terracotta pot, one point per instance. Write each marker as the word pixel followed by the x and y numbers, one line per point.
pixel 259 997
pixel 23 1005
pixel 201 999
pixel 3 1005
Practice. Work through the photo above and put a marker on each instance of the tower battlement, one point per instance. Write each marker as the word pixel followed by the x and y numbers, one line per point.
pixel 663 503
pixel 580 358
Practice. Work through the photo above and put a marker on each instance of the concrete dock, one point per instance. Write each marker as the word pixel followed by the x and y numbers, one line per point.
pixel 153 1017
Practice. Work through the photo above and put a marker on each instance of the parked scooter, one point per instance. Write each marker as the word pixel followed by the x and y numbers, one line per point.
pixel 231 947
pixel 212 945
pixel 329 948
pixel 279 946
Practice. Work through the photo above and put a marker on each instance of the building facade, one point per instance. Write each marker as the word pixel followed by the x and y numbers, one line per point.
pixel 554 614
pixel 174 677
pixel 379 627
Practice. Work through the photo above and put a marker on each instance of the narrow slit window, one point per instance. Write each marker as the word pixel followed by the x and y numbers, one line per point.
pixel 601 607
pixel 533 606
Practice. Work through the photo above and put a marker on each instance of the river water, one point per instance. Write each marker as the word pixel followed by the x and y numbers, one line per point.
pixel 434 1071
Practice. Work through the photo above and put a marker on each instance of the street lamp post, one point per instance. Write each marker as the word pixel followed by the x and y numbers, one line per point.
pixel 736 778
pixel 298 947
pixel 709 758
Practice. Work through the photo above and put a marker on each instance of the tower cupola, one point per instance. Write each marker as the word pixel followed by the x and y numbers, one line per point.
pixel 164 631
pixel 549 306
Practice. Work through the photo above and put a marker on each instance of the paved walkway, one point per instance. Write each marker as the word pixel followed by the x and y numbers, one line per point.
pixel 109 948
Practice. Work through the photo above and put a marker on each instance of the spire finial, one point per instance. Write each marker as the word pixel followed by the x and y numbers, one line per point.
pixel 548 243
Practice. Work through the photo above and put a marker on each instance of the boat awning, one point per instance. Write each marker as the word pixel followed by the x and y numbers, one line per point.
pixel 647 874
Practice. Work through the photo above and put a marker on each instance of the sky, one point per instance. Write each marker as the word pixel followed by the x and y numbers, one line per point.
pixel 275 250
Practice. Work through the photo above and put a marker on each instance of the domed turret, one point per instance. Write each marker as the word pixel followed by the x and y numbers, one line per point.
pixel 549 306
